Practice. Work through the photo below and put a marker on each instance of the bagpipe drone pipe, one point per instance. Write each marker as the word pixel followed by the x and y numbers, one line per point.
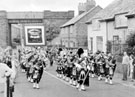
pixel 82 74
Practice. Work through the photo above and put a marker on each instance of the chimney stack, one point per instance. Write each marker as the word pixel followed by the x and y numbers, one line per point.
pixel 84 7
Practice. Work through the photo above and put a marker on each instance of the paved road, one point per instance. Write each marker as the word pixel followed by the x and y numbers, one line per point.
pixel 51 86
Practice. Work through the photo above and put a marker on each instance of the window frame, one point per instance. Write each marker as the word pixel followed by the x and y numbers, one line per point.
pixel 119 21
pixel 96 25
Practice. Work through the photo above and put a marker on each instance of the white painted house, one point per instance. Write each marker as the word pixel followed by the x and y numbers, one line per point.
pixel 97 36
pixel 110 24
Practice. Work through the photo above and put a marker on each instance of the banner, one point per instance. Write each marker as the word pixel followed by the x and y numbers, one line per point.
pixel 34 35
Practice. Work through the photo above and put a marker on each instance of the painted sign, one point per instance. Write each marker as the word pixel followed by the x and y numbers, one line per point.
pixel 34 35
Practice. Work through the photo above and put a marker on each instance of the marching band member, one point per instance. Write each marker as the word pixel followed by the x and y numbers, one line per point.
pixel 91 63
pixel 27 65
pixel 31 71
pixel 74 75
pixel 23 63
pixel 71 63
pixel 64 67
pixel 81 79
pixel 78 66
pixel 108 59
pixel 38 72
pixel 83 75
pixel 100 68
pixel 112 67
pixel 59 66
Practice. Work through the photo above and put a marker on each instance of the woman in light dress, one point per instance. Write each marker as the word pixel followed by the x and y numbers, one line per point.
pixel 15 64
pixel 131 67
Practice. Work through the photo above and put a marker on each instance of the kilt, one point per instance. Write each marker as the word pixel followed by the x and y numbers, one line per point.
pixel 69 71
pixel 23 65
pixel 86 82
pixel 106 71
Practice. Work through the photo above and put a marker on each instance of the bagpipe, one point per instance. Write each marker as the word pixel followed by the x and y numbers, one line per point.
pixel 112 66
pixel 74 69
pixel 83 70
pixel 37 68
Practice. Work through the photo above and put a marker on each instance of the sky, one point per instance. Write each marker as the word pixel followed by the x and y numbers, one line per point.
pixel 40 5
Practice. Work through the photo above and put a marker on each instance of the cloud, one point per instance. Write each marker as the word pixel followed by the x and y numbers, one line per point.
pixel 14 5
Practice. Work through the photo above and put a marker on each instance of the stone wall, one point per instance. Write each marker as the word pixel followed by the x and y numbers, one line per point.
pixel 82 27
pixel 58 14
pixel 52 18
pixel 4 38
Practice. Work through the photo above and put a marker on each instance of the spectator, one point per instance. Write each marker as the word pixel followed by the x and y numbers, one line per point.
pixel 125 63
pixel 4 71
pixel 131 67
pixel 133 76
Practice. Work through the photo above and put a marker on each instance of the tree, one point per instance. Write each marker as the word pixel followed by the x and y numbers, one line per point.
pixel 131 44
pixel 131 40
pixel 52 30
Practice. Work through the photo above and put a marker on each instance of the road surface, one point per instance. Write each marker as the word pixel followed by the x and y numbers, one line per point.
pixel 51 86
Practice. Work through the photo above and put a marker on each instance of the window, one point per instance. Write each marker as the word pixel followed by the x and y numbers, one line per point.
pixel 120 21
pixel 71 29
pixel 91 44
pixel 116 39
pixel 66 43
pixel 95 24
pixel 72 44
pixel 99 43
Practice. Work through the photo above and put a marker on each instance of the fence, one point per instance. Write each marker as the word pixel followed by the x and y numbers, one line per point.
pixel 118 48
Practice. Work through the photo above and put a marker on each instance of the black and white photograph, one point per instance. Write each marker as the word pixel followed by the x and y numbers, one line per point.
pixel 67 48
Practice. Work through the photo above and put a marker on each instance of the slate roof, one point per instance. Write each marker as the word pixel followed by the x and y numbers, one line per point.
pixel 132 13
pixel 116 7
pixel 77 18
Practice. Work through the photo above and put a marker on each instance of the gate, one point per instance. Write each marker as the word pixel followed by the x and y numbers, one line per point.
pixel 118 48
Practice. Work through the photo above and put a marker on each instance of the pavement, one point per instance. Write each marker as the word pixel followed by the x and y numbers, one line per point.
pixel 51 86
pixel 116 79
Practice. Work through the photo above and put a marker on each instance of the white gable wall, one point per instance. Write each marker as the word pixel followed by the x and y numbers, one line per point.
pixel 112 31
pixel 131 25
pixel 94 33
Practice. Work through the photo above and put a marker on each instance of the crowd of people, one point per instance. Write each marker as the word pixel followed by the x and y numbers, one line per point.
pixel 8 66
pixel 128 64
pixel 72 65
pixel 33 61
pixel 76 67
